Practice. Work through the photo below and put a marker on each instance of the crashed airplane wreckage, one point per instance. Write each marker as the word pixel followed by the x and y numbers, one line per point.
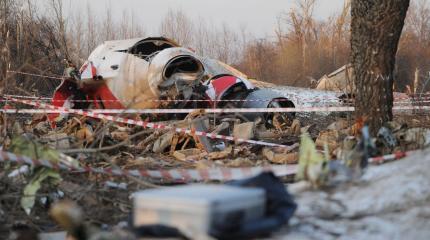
pixel 158 73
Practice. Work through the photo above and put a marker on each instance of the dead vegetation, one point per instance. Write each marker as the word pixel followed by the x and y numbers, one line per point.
pixel 107 145
pixel 303 50
pixel 27 193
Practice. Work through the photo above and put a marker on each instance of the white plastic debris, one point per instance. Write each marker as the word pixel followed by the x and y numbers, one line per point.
pixel 20 171
pixel 196 209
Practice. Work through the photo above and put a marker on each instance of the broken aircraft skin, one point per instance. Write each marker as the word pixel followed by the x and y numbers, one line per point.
pixel 136 73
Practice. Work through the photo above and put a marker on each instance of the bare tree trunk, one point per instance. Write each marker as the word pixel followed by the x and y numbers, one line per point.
pixel 376 26
pixel 60 22
pixel 5 55
pixel 92 27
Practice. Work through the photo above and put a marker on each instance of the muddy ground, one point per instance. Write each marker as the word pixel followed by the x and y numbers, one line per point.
pixel 378 206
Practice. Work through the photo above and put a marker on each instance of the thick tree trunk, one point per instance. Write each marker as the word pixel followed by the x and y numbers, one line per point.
pixel 376 27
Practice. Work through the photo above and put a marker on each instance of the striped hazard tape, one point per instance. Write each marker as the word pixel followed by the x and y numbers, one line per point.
pixel 190 110
pixel 208 110
pixel 330 99
pixel 149 124
pixel 174 175
pixel 415 103
pixel 182 175
pixel 390 157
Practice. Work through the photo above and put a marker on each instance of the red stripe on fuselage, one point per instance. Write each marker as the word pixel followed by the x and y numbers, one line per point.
pixel 103 93
pixel 222 84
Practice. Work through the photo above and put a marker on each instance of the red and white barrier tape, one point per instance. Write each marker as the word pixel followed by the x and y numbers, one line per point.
pixel 402 108
pixel 207 110
pixel 328 99
pixel 150 125
pixel 413 102
pixel 168 101
pixel 390 157
pixel 173 175
pixel 44 99
pixel 310 100
pixel 182 175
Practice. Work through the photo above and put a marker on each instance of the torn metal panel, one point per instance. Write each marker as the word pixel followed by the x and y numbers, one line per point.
pixel 124 67
pixel 244 131
pixel 227 87
pixel 266 98
pixel 163 142
pixel 137 73
pixel 215 67
pixel 341 80
pixel 137 70
pixel 149 46
pixel 302 97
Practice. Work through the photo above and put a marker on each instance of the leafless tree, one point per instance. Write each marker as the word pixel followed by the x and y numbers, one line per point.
pixel 56 7
pixel 304 47
pixel 91 30
pixel 76 34
pixel 177 25
pixel 376 27
pixel 5 14
pixel 109 32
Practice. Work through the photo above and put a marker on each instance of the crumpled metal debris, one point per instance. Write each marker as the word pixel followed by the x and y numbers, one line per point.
pixel 413 138
pixel 163 142
pixel 387 138
pixel 244 130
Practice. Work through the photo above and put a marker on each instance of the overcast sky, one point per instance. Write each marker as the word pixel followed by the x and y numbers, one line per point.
pixel 259 16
